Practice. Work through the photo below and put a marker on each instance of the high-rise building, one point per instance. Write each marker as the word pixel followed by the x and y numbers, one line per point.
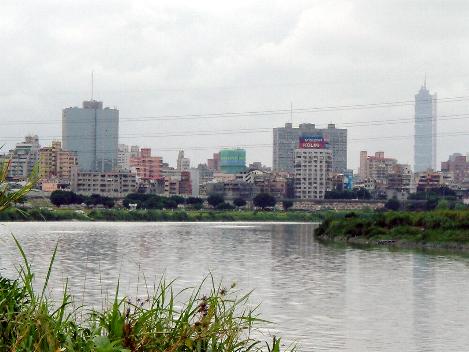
pixel 56 162
pixel 23 158
pixel 92 132
pixel 232 161
pixel 183 164
pixel 285 141
pixel 425 130
pixel 376 167
pixel 313 168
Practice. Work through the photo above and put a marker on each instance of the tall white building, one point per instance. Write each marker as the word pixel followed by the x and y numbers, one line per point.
pixel 313 168
pixel 92 132
pixel 123 157
pixel 425 130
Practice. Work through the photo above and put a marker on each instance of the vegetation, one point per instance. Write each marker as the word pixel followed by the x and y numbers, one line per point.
pixel 360 193
pixel 220 320
pixel 215 199
pixel 59 198
pixel 287 204
pixel 45 214
pixel 264 200
pixel 152 201
pixel 445 227
pixel 239 202
pixel 393 204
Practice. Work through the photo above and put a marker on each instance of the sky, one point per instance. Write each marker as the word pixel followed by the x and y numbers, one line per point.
pixel 166 65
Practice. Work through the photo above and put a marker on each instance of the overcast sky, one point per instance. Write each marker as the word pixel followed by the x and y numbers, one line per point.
pixel 158 58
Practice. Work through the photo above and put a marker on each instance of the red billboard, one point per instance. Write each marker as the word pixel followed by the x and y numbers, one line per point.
pixel 313 142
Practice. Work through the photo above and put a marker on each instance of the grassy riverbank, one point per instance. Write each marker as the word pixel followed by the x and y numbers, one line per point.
pixel 44 214
pixel 447 229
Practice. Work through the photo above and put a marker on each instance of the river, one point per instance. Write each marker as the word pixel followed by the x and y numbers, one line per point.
pixel 326 298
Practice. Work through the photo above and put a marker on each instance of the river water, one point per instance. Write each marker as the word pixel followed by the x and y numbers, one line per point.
pixel 326 298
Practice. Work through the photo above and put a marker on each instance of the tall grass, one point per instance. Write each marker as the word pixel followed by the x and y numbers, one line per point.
pixel 217 320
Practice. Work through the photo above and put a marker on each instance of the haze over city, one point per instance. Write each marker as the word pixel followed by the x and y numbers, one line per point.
pixel 184 58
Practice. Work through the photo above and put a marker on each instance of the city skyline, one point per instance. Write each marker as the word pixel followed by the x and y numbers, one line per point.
pixel 148 64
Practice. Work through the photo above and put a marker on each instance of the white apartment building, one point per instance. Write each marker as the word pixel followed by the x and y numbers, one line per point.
pixel 312 173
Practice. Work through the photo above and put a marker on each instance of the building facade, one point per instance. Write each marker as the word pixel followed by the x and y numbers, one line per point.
pixel 23 158
pixel 313 168
pixel 376 167
pixel 232 161
pixel 425 130
pixel 285 142
pixel 146 166
pixel 183 164
pixel 114 184
pixel 92 132
pixel 54 162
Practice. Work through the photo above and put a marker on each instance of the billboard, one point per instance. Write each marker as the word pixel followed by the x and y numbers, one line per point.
pixel 313 142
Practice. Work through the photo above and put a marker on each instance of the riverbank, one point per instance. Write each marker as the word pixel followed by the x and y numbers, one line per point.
pixel 44 214
pixel 448 230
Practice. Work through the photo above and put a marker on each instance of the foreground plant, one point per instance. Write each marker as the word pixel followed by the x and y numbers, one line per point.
pixel 160 321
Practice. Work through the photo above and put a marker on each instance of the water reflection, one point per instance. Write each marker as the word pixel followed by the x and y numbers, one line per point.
pixel 325 297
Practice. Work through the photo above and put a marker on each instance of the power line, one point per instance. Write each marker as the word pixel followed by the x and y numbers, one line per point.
pixel 168 134
pixel 261 113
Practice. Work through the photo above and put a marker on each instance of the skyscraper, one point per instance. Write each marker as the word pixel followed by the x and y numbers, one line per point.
pixel 92 132
pixel 285 141
pixel 425 130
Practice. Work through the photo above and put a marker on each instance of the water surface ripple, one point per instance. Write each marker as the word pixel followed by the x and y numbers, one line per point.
pixel 324 297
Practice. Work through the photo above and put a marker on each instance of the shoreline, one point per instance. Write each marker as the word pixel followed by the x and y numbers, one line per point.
pixel 179 215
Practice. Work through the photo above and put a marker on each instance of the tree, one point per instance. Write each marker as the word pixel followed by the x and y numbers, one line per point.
pixel 239 202
pixel 264 200
pixel 194 200
pixel 215 199
pixel 393 204
pixel 178 199
pixel 224 206
pixel 287 204
pixel 60 197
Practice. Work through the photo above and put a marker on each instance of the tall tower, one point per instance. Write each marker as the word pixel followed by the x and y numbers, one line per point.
pixel 92 132
pixel 425 130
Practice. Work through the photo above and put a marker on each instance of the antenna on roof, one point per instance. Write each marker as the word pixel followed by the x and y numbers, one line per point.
pixel 92 85
pixel 291 112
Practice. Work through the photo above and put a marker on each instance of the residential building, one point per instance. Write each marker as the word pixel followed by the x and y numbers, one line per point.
pixel 232 161
pixel 23 158
pixel 425 130
pixel 183 164
pixel 92 132
pixel 231 189
pixel 214 163
pixel 313 168
pixel 376 167
pixel 458 166
pixel 428 180
pixel 285 142
pixel 146 166
pixel 54 162
pixel 115 184
pixel 123 157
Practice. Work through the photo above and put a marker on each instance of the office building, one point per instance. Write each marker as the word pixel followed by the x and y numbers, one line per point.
pixel 425 130
pixel 313 168
pixel 285 141
pixel 92 132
